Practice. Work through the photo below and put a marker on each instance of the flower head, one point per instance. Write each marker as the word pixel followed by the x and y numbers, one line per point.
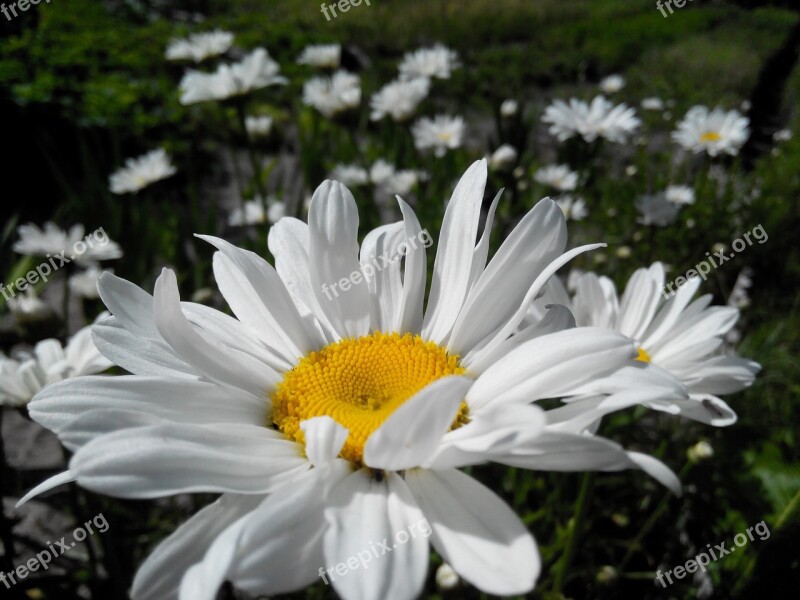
pixel 600 119
pixel 399 99
pixel 656 210
pixel 611 84
pixel 258 126
pixel 440 134
pixel 200 46
pixel 679 194
pixel 714 132
pixel 53 241
pixel 436 62
pixel 350 175
pixel 141 171
pixel 253 213
pixel 332 95
pixel 574 208
pixel 504 158
pixel 328 56
pixel 560 177
pixel 255 71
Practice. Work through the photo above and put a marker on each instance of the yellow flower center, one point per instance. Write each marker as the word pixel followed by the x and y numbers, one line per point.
pixel 643 355
pixel 444 136
pixel 710 136
pixel 359 383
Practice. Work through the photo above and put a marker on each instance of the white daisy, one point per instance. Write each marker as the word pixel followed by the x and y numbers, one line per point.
pixel 51 241
pixel 652 103
pixel 84 284
pixel 141 171
pixel 441 133
pixel 714 132
pixel 333 95
pixel 327 56
pixel 674 336
pixel 389 181
pixel 252 213
pixel 243 406
pixel 255 71
pixel 350 175
pixel 27 307
pixel 438 61
pixel 504 158
pixel 381 171
pixel 574 208
pixel 598 119
pixel 560 177
pixel 399 99
pixel 656 210
pixel 199 46
pixel 509 108
pixel 782 135
pixel 611 84
pixel 28 373
pixel 679 194
pixel 258 126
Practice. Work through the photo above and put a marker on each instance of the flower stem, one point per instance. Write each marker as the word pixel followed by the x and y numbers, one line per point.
pixel 581 505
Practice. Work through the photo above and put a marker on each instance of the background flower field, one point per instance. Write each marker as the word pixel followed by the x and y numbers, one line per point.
pixel 85 85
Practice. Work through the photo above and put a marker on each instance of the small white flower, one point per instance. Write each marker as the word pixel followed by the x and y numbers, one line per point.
pixel 84 284
pixel 680 194
pixel 199 46
pixel 399 99
pixel 714 132
pixel 389 181
pixel 631 170
pixel 700 451
pixel 560 177
pixel 52 241
pixel 333 95
pixel 438 62
pixel 624 252
pixel 328 56
pixel 504 158
pixel 509 108
pixel 656 210
pixel 253 213
pixel 442 133
pixel 612 84
pixel 255 71
pixel 276 211
pixel 446 577
pixel 258 126
pixel 653 103
pixel 27 307
pixel 141 171
pixel 573 208
pixel 783 135
pixel 380 171
pixel 591 121
pixel 350 175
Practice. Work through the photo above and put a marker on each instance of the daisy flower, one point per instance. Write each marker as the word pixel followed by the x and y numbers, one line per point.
pixel 676 336
pixel 258 126
pixel 611 84
pixel 441 133
pixel 328 417
pixel 327 56
pixel 255 71
pixel 332 95
pixel 560 177
pixel 509 108
pixel 28 307
pixel 399 99
pixel 389 181
pixel 52 241
pixel 656 210
pixel 504 158
pixel 28 373
pixel 436 62
pixel 591 121
pixel 200 46
pixel 252 213
pixel 84 284
pixel 141 171
pixel 574 208
pixel 714 132
pixel 350 175
pixel 652 103
pixel 679 194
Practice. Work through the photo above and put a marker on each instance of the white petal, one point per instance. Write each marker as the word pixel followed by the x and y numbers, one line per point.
pixel 451 281
pixel 333 250
pixel 476 532
pixel 47 485
pixel 324 439
pixel 363 513
pixel 410 435
pixel 163 460
pixel 131 305
pixel 409 313
pixel 657 470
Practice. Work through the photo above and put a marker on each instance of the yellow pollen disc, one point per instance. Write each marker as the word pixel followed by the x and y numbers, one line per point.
pixel 710 136
pixel 643 355
pixel 359 383
pixel 444 136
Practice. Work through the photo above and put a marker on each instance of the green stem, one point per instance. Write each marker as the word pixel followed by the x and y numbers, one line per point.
pixel 581 506
pixel 251 153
